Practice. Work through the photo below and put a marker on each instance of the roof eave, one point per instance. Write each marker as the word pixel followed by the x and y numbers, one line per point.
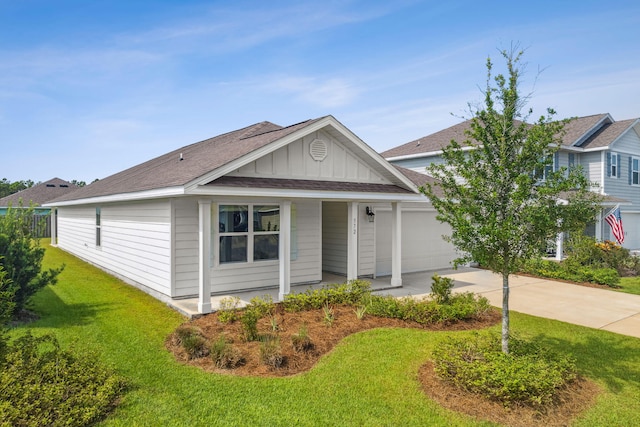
pixel 121 197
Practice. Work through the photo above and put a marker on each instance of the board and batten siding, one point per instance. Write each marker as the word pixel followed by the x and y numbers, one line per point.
pixel 135 240
pixel 295 162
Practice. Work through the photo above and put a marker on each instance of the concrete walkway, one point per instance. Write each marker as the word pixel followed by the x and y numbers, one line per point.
pixel 596 308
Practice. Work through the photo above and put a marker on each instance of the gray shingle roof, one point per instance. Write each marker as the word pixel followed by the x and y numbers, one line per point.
pixel 198 159
pixel 430 143
pixel 306 184
pixel 579 126
pixel 607 134
pixel 39 194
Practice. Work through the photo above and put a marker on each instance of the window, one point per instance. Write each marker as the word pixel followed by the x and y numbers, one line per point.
pixel 546 167
pixel 98 228
pixel 613 165
pixel 635 171
pixel 249 233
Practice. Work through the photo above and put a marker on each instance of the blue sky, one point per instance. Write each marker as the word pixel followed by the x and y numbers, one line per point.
pixel 89 88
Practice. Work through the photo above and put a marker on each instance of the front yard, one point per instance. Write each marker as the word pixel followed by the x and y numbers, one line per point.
pixel 370 378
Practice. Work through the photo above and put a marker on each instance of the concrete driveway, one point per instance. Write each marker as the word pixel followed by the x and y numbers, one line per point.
pixel 580 305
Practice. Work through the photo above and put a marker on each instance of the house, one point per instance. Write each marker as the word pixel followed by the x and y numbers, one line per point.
pixel 608 150
pixel 263 206
pixel 37 196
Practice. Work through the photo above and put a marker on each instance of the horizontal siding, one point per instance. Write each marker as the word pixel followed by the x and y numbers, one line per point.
pixel 135 240
pixel 334 237
pixel 307 267
pixel 186 252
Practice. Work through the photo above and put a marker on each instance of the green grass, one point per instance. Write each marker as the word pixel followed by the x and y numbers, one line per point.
pixel 630 285
pixel 368 380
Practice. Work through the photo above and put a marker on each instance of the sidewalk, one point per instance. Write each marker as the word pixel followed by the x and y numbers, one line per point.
pixel 596 308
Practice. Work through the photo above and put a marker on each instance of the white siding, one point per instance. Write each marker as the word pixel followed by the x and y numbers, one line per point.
pixel 366 243
pixel 135 243
pixel 334 237
pixel 295 161
pixel 305 268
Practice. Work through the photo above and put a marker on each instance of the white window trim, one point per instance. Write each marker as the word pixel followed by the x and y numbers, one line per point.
pixel 615 163
pixel 637 171
pixel 98 227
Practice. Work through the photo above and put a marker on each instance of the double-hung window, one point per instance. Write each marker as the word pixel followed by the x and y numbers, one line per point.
pixel 613 163
pixel 248 233
pixel 635 171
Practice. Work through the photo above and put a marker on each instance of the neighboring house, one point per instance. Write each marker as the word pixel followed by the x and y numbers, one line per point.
pixel 37 196
pixel 263 206
pixel 608 151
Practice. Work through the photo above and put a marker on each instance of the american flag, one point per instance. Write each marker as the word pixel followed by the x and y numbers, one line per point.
pixel 614 219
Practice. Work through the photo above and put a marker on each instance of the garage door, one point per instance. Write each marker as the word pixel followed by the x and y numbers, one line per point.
pixel 631 225
pixel 422 245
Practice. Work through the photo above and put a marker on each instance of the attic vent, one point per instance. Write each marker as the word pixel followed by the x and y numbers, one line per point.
pixel 318 150
pixel 51 185
pixel 64 186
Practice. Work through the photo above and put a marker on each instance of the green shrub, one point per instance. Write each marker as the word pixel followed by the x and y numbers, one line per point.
pixel 572 271
pixel 271 352
pixel 21 257
pixel 44 385
pixel 250 324
pixel 192 341
pixel 263 306
pixel 7 296
pixel 229 308
pixel 529 374
pixel 441 288
pixel 224 354
pixel 301 341
pixel 350 293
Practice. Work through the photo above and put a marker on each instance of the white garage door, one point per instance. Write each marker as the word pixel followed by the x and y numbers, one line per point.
pixel 422 245
pixel 631 225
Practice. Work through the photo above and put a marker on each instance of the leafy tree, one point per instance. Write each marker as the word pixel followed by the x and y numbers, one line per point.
pixel 21 257
pixel 7 187
pixel 502 199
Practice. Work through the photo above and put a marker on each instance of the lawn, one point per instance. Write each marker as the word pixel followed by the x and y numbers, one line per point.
pixel 630 285
pixel 370 379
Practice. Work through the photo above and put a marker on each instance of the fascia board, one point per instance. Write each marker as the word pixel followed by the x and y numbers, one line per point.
pixel 123 197
pixel 593 129
pixel 256 154
pixel 427 154
pixel 302 194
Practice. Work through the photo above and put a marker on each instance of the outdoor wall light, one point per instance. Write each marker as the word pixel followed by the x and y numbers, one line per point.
pixel 370 214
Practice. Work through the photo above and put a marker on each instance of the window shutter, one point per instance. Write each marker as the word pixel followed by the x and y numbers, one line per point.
pixel 572 160
pixel 608 163
pixel 630 170
pixel 556 161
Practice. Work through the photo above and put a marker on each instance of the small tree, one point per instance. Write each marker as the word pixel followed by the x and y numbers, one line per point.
pixel 502 198
pixel 21 258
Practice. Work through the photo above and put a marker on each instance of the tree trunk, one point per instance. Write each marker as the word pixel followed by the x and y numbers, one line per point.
pixel 505 313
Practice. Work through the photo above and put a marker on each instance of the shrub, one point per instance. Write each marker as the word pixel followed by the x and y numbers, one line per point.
pixel 229 309
pixel 349 293
pixel 329 315
pixel 270 351
pixel 21 257
pixel 441 288
pixel 43 384
pixel 569 270
pixel 528 375
pixel 360 311
pixel 263 306
pixel 192 341
pixel 224 354
pixel 301 341
pixel 250 324
pixel 7 293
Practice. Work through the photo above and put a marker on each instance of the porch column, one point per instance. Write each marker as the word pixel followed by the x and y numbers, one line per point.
pixel 204 265
pixel 352 241
pixel 559 246
pixel 396 244
pixel 599 233
pixel 53 217
pixel 284 249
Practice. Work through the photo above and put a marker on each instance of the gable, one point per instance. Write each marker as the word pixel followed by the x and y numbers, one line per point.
pixel 317 156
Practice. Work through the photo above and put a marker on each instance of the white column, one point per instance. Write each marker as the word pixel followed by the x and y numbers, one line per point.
pixel 352 241
pixel 396 244
pixel 285 249
pixel 53 217
pixel 599 232
pixel 204 265
pixel 559 246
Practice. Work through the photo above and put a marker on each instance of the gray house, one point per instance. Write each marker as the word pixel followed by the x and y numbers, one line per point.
pixel 259 207
pixel 608 150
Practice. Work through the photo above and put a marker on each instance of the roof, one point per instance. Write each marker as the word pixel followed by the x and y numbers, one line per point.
pixel 306 184
pixel 192 167
pixel 180 167
pixel 595 131
pixel 430 143
pixel 40 193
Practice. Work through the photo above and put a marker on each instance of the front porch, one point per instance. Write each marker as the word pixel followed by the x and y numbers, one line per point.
pixel 413 284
